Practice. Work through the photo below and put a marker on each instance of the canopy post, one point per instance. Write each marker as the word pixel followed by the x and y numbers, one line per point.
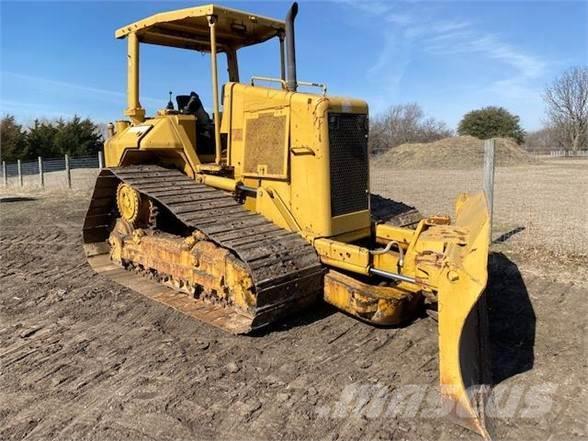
pixel 232 65
pixel 214 72
pixel 134 109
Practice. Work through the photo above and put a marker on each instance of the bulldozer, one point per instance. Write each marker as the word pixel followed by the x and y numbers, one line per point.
pixel 252 215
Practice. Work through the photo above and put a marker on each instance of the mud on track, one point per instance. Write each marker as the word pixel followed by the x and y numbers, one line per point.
pixel 82 358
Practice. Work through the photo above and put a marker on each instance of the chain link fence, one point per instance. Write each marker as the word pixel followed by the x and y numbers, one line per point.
pixel 65 172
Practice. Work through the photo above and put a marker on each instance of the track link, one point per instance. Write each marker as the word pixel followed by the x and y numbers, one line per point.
pixel 286 270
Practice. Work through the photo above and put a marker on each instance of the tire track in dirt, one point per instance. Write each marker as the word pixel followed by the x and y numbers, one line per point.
pixel 81 357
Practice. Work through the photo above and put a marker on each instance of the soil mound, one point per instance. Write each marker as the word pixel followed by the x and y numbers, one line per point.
pixel 457 152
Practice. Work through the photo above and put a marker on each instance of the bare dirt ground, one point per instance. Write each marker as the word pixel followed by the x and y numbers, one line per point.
pixel 81 179
pixel 540 210
pixel 83 358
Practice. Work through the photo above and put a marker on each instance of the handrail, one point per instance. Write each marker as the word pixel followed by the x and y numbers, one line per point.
pixel 284 84
pixel 322 86
pixel 269 80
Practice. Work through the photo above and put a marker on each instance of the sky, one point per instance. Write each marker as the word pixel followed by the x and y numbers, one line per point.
pixel 61 58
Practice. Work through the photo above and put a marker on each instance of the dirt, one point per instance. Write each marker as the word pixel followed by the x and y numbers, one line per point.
pixel 83 358
pixel 539 210
pixel 456 152
pixel 81 179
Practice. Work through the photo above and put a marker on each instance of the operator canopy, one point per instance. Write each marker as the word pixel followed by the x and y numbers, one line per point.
pixel 189 29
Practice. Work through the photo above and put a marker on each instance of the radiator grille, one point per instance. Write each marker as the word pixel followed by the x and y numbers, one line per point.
pixel 349 163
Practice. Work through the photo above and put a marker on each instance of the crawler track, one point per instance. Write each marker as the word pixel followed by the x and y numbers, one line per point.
pixel 285 269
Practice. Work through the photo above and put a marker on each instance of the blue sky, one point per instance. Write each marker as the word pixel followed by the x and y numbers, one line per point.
pixel 61 58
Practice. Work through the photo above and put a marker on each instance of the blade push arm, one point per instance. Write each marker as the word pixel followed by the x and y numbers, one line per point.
pixel 441 262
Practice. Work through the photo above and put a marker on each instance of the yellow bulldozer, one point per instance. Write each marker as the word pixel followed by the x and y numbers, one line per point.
pixel 249 216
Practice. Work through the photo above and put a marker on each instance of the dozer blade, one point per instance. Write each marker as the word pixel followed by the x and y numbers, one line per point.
pixel 463 367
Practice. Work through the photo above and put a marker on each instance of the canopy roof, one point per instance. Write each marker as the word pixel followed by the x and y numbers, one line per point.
pixel 188 28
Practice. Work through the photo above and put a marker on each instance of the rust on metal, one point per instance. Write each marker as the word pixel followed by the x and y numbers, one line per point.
pixel 382 305
pixel 206 245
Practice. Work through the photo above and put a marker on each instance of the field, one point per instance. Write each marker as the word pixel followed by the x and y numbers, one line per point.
pixel 83 358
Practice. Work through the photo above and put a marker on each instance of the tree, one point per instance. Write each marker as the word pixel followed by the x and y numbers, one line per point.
pixel 404 123
pixel 490 122
pixel 567 106
pixel 77 137
pixel 12 139
pixel 545 139
pixel 41 140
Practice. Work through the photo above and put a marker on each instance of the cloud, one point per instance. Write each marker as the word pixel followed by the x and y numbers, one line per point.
pixel 447 27
pixel 487 45
pixel 66 86
pixel 390 66
pixel 418 28
pixel 399 19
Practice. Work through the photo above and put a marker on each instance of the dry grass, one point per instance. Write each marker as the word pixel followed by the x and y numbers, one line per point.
pixel 548 200
pixel 458 152
pixel 81 179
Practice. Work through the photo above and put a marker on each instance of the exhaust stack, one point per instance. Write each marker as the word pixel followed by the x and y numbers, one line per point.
pixel 291 48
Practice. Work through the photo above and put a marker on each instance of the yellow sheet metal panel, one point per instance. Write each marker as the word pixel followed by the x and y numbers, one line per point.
pixel 350 222
pixel 163 135
pixel 297 151
pixel 354 236
pixel 385 233
pixel 309 164
pixel 272 206
pixel 188 28
pixel 128 138
pixel 388 262
pixel 282 207
pixel 306 193
pixel 247 102
pixel 343 255
pixel 168 137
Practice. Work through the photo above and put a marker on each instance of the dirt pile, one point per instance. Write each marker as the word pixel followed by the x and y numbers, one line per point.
pixel 456 152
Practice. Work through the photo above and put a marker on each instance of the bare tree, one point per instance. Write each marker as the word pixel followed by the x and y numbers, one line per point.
pixel 567 106
pixel 546 139
pixel 404 123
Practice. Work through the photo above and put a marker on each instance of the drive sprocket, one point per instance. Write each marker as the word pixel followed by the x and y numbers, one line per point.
pixel 138 210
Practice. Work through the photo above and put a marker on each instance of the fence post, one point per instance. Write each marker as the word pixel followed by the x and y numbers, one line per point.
pixel 19 171
pixel 67 171
pixel 4 173
pixel 41 173
pixel 100 160
pixel 489 163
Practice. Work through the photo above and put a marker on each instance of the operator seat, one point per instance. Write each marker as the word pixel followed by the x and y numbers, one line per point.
pixel 192 105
